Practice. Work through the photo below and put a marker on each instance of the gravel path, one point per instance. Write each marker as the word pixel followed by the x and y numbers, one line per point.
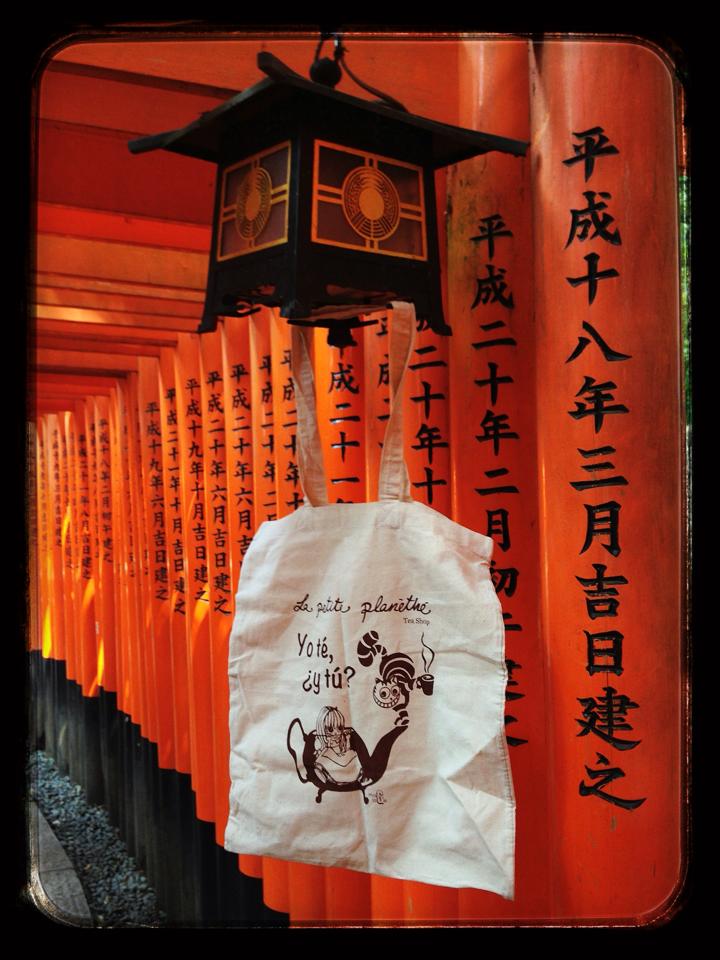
pixel 118 894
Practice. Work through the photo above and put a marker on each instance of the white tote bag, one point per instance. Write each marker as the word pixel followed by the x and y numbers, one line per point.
pixel 367 678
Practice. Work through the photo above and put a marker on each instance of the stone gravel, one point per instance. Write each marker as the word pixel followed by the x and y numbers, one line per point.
pixel 118 894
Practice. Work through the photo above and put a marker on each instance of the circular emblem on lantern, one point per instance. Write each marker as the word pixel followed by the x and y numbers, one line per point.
pixel 370 203
pixel 252 205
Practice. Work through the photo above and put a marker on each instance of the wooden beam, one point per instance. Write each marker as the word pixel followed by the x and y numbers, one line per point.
pixel 81 68
pixel 116 104
pixel 76 392
pixel 44 407
pixel 82 166
pixel 136 335
pixel 108 317
pixel 75 360
pixel 66 281
pixel 121 261
pixel 89 382
pixel 224 62
pixel 64 297
pixel 109 225
pixel 98 345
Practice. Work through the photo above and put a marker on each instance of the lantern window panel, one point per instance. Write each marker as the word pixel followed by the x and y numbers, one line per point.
pixel 254 203
pixel 333 164
pixel 407 240
pixel 364 201
pixel 407 181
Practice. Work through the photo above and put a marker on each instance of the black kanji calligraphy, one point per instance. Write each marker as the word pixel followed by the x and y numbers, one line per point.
pixel 597 403
pixel 593 276
pixel 495 487
pixel 215 403
pixel 604 652
pixel 343 443
pixel 512 666
pixel 240 399
pixel 593 144
pixel 498 527
pixel 429 483
pixel 427 397
pixel 604 776
pixel 429 438
pixel 603 521
pixel 383 373
pixel 492 288
pixel 611 355
pixel 504 579
pixel 601 592
pixel 493 381
pixel 296 502
pixel 592 217
pixel 596 468
pixel 513 741
pixel 606 716
pixel 490 228
pixel 423 364
pixel 495 428
pixel 343 379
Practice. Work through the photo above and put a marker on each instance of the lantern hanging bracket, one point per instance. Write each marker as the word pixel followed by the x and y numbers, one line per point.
pixel 328 72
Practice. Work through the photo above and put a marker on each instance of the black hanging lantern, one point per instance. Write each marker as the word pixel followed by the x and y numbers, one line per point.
pixel 324 202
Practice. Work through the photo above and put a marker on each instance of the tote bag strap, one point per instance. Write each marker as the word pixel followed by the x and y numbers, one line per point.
pixel 309 450
pixel 393 483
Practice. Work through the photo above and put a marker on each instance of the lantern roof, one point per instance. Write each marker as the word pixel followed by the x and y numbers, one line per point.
pixel 203 137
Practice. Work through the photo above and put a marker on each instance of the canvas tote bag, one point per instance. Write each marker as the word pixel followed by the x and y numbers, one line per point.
pixel 367 678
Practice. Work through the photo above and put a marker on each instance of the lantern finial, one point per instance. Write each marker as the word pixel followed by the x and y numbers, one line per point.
pixel 324 70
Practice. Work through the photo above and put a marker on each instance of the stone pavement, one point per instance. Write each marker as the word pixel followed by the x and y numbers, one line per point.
pixel 54 886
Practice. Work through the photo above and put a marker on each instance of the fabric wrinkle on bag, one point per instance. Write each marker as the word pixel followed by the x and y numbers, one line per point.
pixel 367 677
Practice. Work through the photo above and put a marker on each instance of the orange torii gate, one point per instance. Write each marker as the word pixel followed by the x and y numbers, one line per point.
pixel 158 452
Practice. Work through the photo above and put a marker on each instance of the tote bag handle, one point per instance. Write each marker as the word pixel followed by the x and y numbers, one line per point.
pixel 394 483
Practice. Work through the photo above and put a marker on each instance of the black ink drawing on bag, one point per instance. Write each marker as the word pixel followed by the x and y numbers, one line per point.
pixel 334 756
pixel 397 674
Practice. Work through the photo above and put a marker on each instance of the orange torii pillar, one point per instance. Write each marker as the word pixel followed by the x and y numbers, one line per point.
pixel 609 358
